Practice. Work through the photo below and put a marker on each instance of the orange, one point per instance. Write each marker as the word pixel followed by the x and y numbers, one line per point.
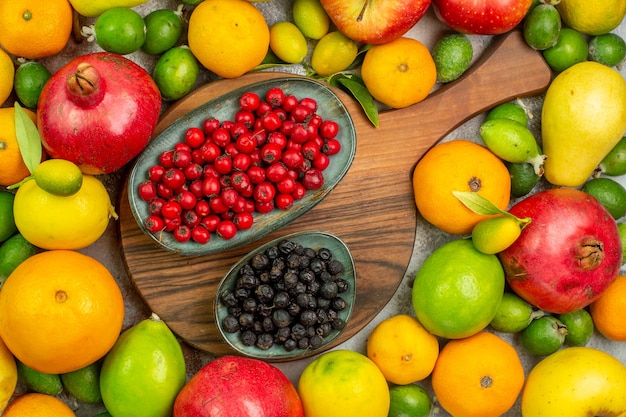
pixel 7 75
pixel 343 383
pixel 60 311
pixel 35 29
pixel 403 349
pixel 480 376
pixel 458 165
pixel 38 405
pixel 13 168
pixel 228 37
pixel 607 311
pixel 399 73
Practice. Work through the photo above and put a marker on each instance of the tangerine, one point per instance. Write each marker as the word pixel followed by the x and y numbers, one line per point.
pixel 35 404
pixel 479 376
pixel 7 75
pixel 399 73
pixel 228 37
pixel 35 29
pixel 458 165
pixel 403 349
pixel 60 311
pixel 13 169
pixel 607 311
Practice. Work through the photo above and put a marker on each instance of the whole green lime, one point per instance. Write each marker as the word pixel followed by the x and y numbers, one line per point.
pixel 164 28
pixel 29 80
pixel 409 400
pixel 176 72
pixel 458 290
pixel 120 30
pixel 84 384
pixel 453 55
pixel 579 327
pixel 13 252
pixel 610 193
pixel 37 381
pixel 608 49
pixel 59 177
pixel 543 336
pixel 7 222
pixel 514 314
pixel 523 178
pixel 570 48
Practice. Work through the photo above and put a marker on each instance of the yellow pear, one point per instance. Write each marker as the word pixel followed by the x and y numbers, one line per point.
pixel 583 118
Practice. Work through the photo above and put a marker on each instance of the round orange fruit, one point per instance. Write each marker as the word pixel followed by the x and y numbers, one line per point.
pixel 13 169
pixel 60 310
pixel 458 165
pixel 607 311
pixel 35 404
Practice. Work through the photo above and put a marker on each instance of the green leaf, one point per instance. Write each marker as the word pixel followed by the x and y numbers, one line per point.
pixel 355 86
pixel 477 203
pixel 28 139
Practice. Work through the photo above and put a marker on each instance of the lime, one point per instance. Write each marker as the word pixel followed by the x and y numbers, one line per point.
pixel 579 327
pixel 7 223
pixel 509 110
pixel 84 383
pixel 30 78
pixel 37 381
pixel 543 336
pixel 523 178
pixel 192 2
pixel 163 30
pixel 570 48
pixel 453 55
pixel 59 177
pixel 287 42
pixel 409 401
pixel 610 193
pixel 614 163
pixel 120 30
pixel 514 314
pixel 311 18
pixel 458 290
pixel 333 53
pixel 542 26
pixel 608 49
pixel 622 234
pixel 106 413
pixel 12 253
pixel 495 234
pixel 176 72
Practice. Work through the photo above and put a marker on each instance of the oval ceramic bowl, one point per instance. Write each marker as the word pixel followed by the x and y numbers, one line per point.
pixel 224 108
pixel 309 239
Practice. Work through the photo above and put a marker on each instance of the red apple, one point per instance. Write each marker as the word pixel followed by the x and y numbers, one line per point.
pixel 98 111
pixel 233 386
pixel 569 253
pixel 481 17
pixel 375 21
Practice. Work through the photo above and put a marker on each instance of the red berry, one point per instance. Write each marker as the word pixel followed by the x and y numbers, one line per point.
pixel 209 125
pixel 154 207
pixel 147 190
pixel 191 218
pixel 313 179
pixel 243 220
pixel 223 164
pixel 276 171
pixel 155 173
pixel 309 102
pixel 171 210
pixel 275 96
pixel 165 159
pixel 186 199
pixel 154 224
pixel 182 233
pixel 331 147
pixel 329 129
pixel 270 153
pixel 283 201
pixel 245 118
pixel 200 234
pixel 256 174
pixel 321 161
pixel 221 136
pixel 194 137
pixel 264 192
pixel 173 178
pixel 193 171
pixel 226 229
pixel 299 192
pixel 245 143
pixel 289 102
pixel 210 222
pixel 249 101
pixel 202 208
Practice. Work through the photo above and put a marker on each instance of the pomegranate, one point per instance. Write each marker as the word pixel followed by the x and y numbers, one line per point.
pixel 569 253
pixel 233 386
pixel 98 111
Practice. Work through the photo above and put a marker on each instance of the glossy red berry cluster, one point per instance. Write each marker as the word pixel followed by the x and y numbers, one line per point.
pixel 268 157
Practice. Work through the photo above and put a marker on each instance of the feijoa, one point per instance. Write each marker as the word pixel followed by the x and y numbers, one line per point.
pixel 176 72
pixel 542 26
pixel 453 55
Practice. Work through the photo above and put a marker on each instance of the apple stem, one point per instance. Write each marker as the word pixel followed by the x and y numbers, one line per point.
pixel 360 16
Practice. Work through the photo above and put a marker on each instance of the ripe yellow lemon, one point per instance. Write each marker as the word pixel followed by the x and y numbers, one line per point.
pixel 592 17
pixel 343 383
pixel 333 53
pixel 8 375
pixel 56 222
pixel 399 73
pixel 404 351
pixel 228 37
pixel 7 74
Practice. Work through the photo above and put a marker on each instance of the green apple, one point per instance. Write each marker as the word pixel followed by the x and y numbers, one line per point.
pixel 575 382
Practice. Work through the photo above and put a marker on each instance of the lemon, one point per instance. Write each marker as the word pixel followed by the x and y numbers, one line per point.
pixel 93 8
pixel 333 53
pixel 610 193
pixel 55 222
pixel 287 42
pixel 59 177
pixel 592 17
pixel 311 18
pixel 228 37
pixel 7 74
pixel 8 375
pixel 457 290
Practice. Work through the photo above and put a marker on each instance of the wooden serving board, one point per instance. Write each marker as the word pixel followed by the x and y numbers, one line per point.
pixel 371 209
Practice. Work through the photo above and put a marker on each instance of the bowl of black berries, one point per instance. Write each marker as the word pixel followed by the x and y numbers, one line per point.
pixel 289 298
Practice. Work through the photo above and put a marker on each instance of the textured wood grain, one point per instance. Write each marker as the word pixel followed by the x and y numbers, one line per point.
pixel 372 208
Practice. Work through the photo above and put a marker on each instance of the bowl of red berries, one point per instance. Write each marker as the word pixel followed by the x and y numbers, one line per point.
pixel 288 298
pixel 241 166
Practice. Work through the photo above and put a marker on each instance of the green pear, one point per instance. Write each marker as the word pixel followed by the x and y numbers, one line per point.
pixel 583 118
